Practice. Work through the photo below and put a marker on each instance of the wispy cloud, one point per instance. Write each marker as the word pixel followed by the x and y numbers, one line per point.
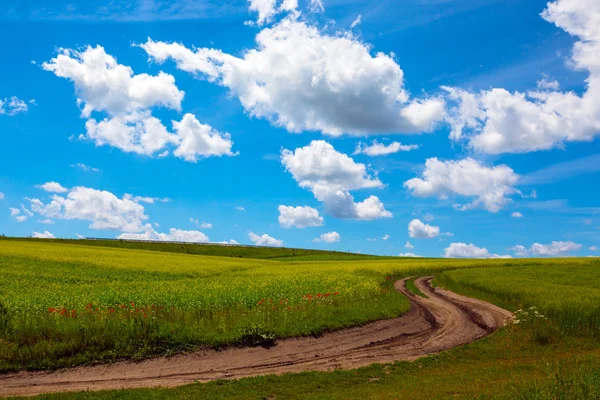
pixel 559 206
pixel 119 10
pixel 563 170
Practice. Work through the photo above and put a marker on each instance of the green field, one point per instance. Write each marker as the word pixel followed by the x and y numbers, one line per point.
pixel 67 304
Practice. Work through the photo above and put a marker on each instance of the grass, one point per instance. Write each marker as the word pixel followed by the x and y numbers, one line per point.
pixel 280 253
pixel 567 293
pixel 213 301
pixel 410 285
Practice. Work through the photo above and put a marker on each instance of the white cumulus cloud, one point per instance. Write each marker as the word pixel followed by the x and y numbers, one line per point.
pixel 554 249
pixel 264 240
pixel 299 217
pixel 53 187
pixel 409 245
pixel 330 176
pixel 497 121
pixel 420 230
pixel 516 214
pixel 102 208
pixel 198 140
pixel 43 235
pixel 104 85
pixel 329 237
pixel 380 149
pixel 12 106
pixel 302 79
pixel 490 186
pixel 174 235
pixel 463 250
pixel 411 255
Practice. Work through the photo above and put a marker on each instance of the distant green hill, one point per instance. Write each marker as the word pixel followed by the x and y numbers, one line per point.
pixel 255 252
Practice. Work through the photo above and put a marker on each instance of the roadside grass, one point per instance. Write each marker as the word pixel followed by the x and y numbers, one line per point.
pixel 410 285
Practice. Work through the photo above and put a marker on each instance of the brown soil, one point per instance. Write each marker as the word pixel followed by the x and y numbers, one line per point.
pixel 439 322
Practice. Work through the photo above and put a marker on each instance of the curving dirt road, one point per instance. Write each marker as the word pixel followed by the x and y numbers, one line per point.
pixel 439 322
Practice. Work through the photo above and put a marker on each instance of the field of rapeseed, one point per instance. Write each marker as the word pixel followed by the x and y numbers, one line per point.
pixel 62 305
pixel 70 304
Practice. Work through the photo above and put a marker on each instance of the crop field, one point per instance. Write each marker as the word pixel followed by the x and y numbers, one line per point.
pixel 65 304
pixel 567 293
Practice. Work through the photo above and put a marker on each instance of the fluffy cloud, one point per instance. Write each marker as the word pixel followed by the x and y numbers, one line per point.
pixel 330 175
pixel 136 132
pixel 16 214
pixel 231 241
pixel 385 237
pixel 12 106
pixel 200 140
pixel 520 250
pixel 593 248
pixel 498 121
pixel 409 245
pixel 300 217
pixel 264 240
pixel 174 235
pixel 103 85
pixel 330 237
pixel 419 230
pixel 516 214
pixel 267 9
pixel 380 149
pixel 546 83
pixel 53 187
pixel 103 209
pixel 411 255
pixel 463 250
pixel 2 196
pixel 302 79
pixel 20 215
pixel 489 185
pixel 554 249
pixel 43 235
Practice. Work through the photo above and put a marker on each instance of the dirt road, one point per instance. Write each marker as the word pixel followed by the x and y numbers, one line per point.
pixel 439 322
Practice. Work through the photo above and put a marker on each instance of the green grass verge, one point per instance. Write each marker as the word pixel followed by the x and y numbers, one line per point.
pixel 410 285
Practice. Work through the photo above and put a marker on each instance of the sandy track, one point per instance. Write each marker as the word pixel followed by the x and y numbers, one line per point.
pixel 439 322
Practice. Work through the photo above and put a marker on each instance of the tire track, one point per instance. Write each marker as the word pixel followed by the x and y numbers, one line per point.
pixel 441 321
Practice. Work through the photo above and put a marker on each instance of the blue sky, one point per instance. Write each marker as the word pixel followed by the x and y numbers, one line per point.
pixel 155 119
